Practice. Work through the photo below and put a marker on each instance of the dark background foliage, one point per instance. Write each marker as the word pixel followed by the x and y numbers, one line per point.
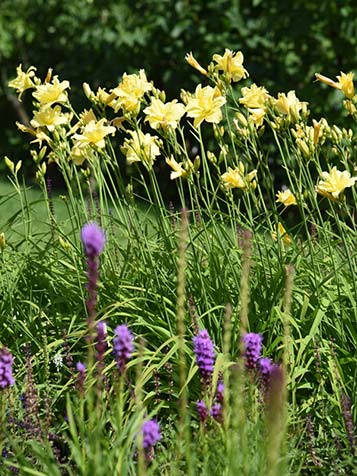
pixel 284 44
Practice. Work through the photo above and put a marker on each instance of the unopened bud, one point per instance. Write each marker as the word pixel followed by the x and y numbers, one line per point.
pixel 9 164
pixel 2 241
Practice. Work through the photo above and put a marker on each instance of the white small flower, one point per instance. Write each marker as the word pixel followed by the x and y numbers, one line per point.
pixel 58 361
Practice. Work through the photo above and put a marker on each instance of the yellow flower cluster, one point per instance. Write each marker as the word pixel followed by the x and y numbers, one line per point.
pixel 334 183
pixel 237 178
pixel 24 81
pixel 165 116
pixel 94 133
pixel 141 148
pixel 128 95
pixel 286 197
pixel 255 99
pixel 282 234
pixel 231 65
pixel 205 105
pixel 289 106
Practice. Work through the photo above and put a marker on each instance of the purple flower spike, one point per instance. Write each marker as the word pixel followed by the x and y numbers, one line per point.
pixel 205 355
pixel 101 343
pixel 216 412
pixel 81 368
pixel 123 346
pixel 93 239
pixel 151 434
pixel 202 410
pixel 265 366
pixel 220 392
pixel 6 361
pixel 253 349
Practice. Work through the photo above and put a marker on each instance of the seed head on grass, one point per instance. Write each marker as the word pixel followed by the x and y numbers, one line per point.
pixel 205 354
pixel 123 346
pixel 6 361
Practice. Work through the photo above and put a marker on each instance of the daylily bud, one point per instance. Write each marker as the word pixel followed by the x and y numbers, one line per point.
pixel 2 241
pixel 9 164
pixel 18 166
pixel 88 92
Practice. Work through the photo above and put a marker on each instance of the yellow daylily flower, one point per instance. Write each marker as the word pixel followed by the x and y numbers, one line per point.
pixel 49 117
pixel 288 104
pixel 141 148
pixel 334 183
pixel 205 105
pixel 254 97
pixel 130 91
pixel 23 80
pixel 177 169
pixel 94 133
pixel 236 178
pixel 159 114
pixel 283 235
pixel 231 64
pixel 79 153
pixel 50 93
pixel 344 83
pixel 256 116
pixel 286 197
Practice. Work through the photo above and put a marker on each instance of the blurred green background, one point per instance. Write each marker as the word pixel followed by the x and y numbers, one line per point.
pixel 284 44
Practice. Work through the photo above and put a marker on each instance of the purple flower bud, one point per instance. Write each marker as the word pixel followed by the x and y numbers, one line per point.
pixel 93 239
pixel 123 346
pixel 253 349
pixel 101 343
pixel 205 355
pixel 151 434
pixel 6 361
pixel 216 412
pixel 81 368
pixel 202 410
pixel 220 392
pixel 81 378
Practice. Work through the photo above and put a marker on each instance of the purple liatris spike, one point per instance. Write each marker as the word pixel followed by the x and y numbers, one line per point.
pixel 253 349
pixel 101 343
pixel 220 392
pixel 265 366
pixel 202 410
pixel 151 434
pixel 6 361
pixel 93 239
pixel 81 369
pixel 205 355
pixel 216 412
pixel 123 346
